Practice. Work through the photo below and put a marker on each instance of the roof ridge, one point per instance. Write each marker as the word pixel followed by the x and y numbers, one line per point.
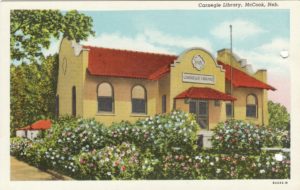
pixel 131 51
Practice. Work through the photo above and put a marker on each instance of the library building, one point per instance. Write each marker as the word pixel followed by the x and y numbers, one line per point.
pixel 112 85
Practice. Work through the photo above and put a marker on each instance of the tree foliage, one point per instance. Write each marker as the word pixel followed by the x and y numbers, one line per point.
pixel 33 83
pixel 278 116
pixel 33 91
pixel 32 30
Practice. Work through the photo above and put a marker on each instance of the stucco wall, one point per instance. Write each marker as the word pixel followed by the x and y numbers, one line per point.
pixel 184 64
pixel 71 74
pixel 240 104
pixel 122 95
pixel 164 89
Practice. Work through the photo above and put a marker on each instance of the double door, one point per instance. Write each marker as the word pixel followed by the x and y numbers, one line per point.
pixel 200 109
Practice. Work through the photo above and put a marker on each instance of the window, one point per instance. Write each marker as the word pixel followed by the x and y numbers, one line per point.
pixel 229 110
pixel 73 101
pixel 105 96
pixel 251 107
pixel 164 104
pixel 139 99
pixel 57 106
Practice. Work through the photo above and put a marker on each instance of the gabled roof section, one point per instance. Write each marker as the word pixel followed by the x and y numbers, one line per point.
pixel 129 64
pixel 242 79
pixel 204 93
pixel 38 125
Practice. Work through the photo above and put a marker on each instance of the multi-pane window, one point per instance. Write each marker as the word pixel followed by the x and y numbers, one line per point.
pixel 229 110
pixel 139 99
pixel 105 97
pixel 74 101
pixel 251 107
pixel 164 104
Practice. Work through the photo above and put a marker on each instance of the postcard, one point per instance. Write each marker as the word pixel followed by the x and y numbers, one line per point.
pixel 143 95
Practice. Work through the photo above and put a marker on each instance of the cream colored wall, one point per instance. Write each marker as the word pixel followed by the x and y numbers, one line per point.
pixel 74 76
pixel 262 95
pixel 240 105
pixel 122 96
pixel 216 113
pixel 164 89
pixel 184 65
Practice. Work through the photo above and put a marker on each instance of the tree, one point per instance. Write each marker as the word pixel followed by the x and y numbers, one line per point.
pixel 32 30
pixel 33 91
pixel 278 116
pixel 33 82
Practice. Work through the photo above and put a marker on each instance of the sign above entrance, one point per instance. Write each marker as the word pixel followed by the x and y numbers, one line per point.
pixel 195 78
pixel 198 62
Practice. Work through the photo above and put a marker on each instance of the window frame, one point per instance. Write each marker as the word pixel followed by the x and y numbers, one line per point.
pixel 145 100
pixel 232 109
pixel 164 103
pixel 248 105
pixel 57 106
pixel 112 98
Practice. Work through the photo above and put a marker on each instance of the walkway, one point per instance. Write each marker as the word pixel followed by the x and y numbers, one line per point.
pixel 21 171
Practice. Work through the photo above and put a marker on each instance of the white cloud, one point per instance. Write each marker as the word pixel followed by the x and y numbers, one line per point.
pixel 118 41
pixel 156 36
pixel 267 56
pixel 149 41
pixel 241 29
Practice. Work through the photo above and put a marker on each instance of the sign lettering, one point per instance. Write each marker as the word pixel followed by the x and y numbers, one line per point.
pixel 195 78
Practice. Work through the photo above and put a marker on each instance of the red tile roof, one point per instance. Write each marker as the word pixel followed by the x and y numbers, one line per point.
pixel 242 79
pixel 131 64
pixel 204 93
pixel 38 125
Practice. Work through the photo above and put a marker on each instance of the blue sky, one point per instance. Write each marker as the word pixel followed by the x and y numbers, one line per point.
pixel 258 35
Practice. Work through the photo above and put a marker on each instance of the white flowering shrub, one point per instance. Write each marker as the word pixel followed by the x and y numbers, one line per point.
pixel 235 136
pixel 237 166
pixel 161 134
pixel 115 162
pixel 159 147
pixel 30 151
pixel 69 137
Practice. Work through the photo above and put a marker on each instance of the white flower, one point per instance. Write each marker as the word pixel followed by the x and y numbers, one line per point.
pixel 279 157
pixel 218 170
pixel 197 157
pixel 262 171
pixel 108 173
pixel 211 163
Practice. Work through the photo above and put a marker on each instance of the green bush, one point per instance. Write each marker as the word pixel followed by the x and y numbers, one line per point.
pixel 278 116
pixel 159 147
pixel 115 162
pixel 161 134
pixel 235 136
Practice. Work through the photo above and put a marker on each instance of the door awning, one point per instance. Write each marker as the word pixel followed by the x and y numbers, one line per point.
pixel 204 93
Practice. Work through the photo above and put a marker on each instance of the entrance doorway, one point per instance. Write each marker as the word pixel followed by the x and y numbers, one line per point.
pixel 200 109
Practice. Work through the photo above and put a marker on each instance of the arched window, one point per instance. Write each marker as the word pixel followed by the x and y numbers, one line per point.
pixel 73 101
pixel 105 95
pixel 251 107
pixel 139 99
pixel 57 106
